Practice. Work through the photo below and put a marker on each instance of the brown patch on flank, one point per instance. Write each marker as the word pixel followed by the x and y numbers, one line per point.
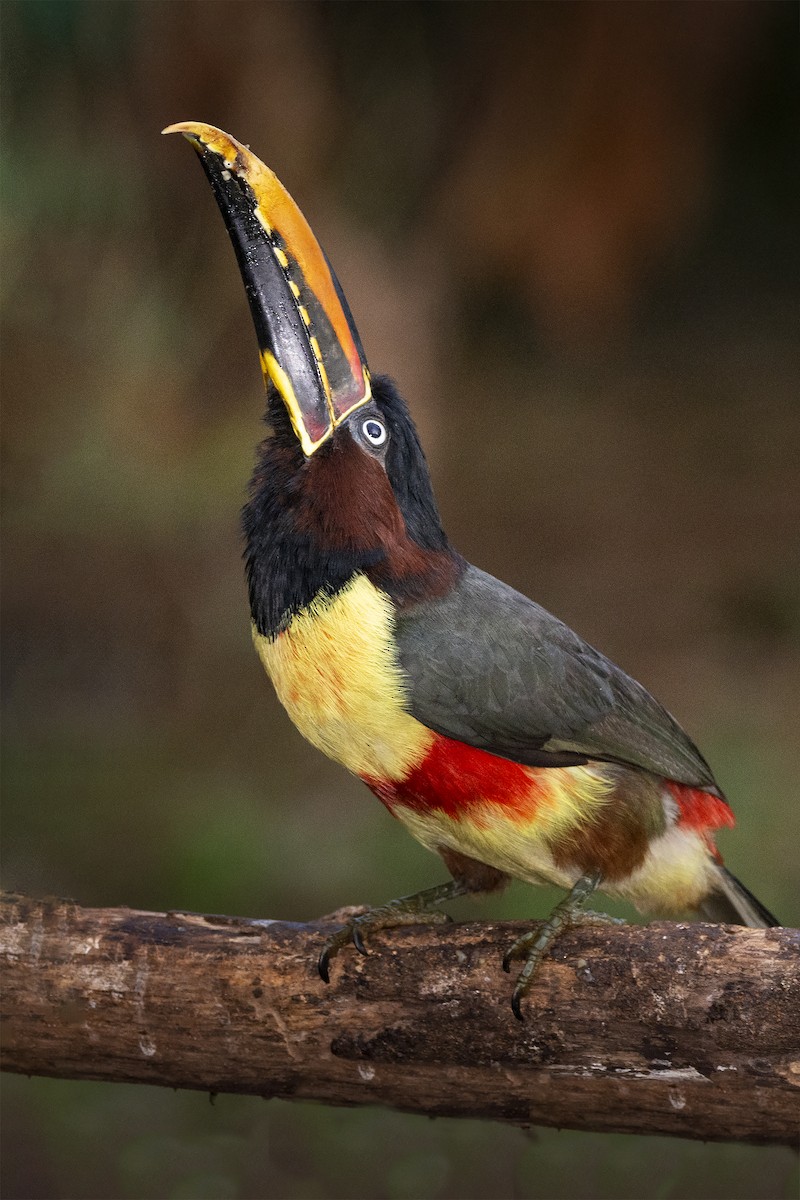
pixel 615 840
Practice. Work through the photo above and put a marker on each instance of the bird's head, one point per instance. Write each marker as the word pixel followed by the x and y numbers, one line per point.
pixel 341 485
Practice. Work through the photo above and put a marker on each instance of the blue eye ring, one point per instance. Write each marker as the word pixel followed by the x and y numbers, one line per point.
pixel 374 431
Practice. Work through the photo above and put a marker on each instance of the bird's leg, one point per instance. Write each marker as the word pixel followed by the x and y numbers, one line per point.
pixel 419 909
pixel 534 945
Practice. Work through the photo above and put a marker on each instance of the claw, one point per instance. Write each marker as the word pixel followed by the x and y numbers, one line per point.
pixel 517 949
pixel 565 914
pixel 358 941
pixel 410 910
pixel 330 950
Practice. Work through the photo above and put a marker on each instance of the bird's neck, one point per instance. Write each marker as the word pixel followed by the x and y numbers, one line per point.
pixel 311 527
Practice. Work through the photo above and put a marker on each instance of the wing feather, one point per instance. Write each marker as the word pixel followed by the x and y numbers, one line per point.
pixel 491 668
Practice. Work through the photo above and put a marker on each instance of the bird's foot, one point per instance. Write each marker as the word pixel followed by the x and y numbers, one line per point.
pixel 534 945
pixel 589 917
pixel 419 909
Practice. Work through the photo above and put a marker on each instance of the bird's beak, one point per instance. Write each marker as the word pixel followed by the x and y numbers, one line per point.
pixel 309 345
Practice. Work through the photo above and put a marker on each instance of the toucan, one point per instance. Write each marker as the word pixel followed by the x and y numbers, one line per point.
pixel 501 740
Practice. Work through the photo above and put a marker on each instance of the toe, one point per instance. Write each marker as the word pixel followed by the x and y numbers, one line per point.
pixel 358 940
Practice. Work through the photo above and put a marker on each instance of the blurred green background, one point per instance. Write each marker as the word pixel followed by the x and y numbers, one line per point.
pixel 570 232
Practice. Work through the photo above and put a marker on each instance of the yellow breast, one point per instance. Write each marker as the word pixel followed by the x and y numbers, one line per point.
pixel 336 673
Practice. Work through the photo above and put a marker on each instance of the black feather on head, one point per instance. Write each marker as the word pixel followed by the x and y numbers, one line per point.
pixel 312 524
pixel 407 469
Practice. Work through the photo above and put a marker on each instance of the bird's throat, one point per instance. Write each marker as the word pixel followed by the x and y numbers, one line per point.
pixel 335 670
pixel 312 526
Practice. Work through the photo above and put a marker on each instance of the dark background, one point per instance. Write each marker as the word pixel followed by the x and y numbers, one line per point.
pixel 570 232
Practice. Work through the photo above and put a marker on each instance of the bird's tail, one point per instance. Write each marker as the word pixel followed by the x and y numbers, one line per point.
pixel 732 904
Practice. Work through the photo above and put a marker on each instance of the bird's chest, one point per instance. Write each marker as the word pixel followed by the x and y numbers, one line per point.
pixel 336 673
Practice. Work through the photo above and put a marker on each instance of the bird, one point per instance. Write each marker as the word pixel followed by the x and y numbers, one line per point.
pixel 496 735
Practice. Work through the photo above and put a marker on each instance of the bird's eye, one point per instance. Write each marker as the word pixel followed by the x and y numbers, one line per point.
pixel 374 431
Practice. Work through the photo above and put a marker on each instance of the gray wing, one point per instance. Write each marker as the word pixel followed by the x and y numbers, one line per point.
pixel 488 667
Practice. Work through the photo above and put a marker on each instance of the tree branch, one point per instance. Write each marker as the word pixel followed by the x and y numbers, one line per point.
pixel 676 1029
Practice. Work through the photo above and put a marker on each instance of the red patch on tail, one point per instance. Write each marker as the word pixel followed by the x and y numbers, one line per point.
pixel 453 778
pixel 701 811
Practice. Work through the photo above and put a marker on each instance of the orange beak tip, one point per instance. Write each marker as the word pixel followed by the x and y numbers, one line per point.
pixel 189 128
pixel 197 133
pixel 193 139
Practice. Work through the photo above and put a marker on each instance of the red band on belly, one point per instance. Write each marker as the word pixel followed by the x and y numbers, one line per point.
pixel 454 778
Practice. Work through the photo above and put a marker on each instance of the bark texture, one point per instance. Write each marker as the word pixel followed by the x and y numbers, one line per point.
pixel 690 1030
